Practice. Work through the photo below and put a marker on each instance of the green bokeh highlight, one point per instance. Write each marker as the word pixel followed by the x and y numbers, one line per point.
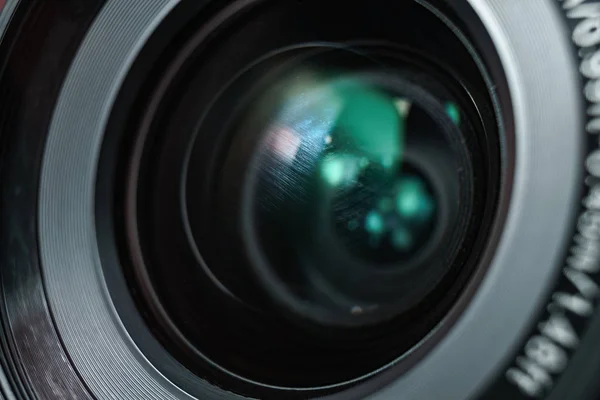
pixel 333 170
pixel 413 200
pixel 374 223
pixel 402 239
pixel 453 112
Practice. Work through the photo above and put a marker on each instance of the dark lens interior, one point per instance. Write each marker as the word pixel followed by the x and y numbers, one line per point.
pixel 299 210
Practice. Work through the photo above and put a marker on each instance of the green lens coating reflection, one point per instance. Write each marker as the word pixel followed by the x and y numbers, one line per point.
pixel 454 112
pixel 368 129
pixel 369 132
pixel 346 140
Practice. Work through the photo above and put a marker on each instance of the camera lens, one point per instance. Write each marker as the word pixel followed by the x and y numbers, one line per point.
pixel 292 199
pixel 293 214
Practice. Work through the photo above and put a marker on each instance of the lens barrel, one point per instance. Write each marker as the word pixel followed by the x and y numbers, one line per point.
pixel 298 199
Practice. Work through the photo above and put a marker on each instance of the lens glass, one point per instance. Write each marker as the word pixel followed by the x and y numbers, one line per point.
pixel 352 174
pixel 333 160
pixel 313 198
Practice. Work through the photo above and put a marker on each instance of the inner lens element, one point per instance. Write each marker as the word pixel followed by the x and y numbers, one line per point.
pixel 355 185
pixel 304 208
pixel 342 144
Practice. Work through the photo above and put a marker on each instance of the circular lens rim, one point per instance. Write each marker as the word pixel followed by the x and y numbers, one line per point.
pixel 53 302
pixel 176 334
